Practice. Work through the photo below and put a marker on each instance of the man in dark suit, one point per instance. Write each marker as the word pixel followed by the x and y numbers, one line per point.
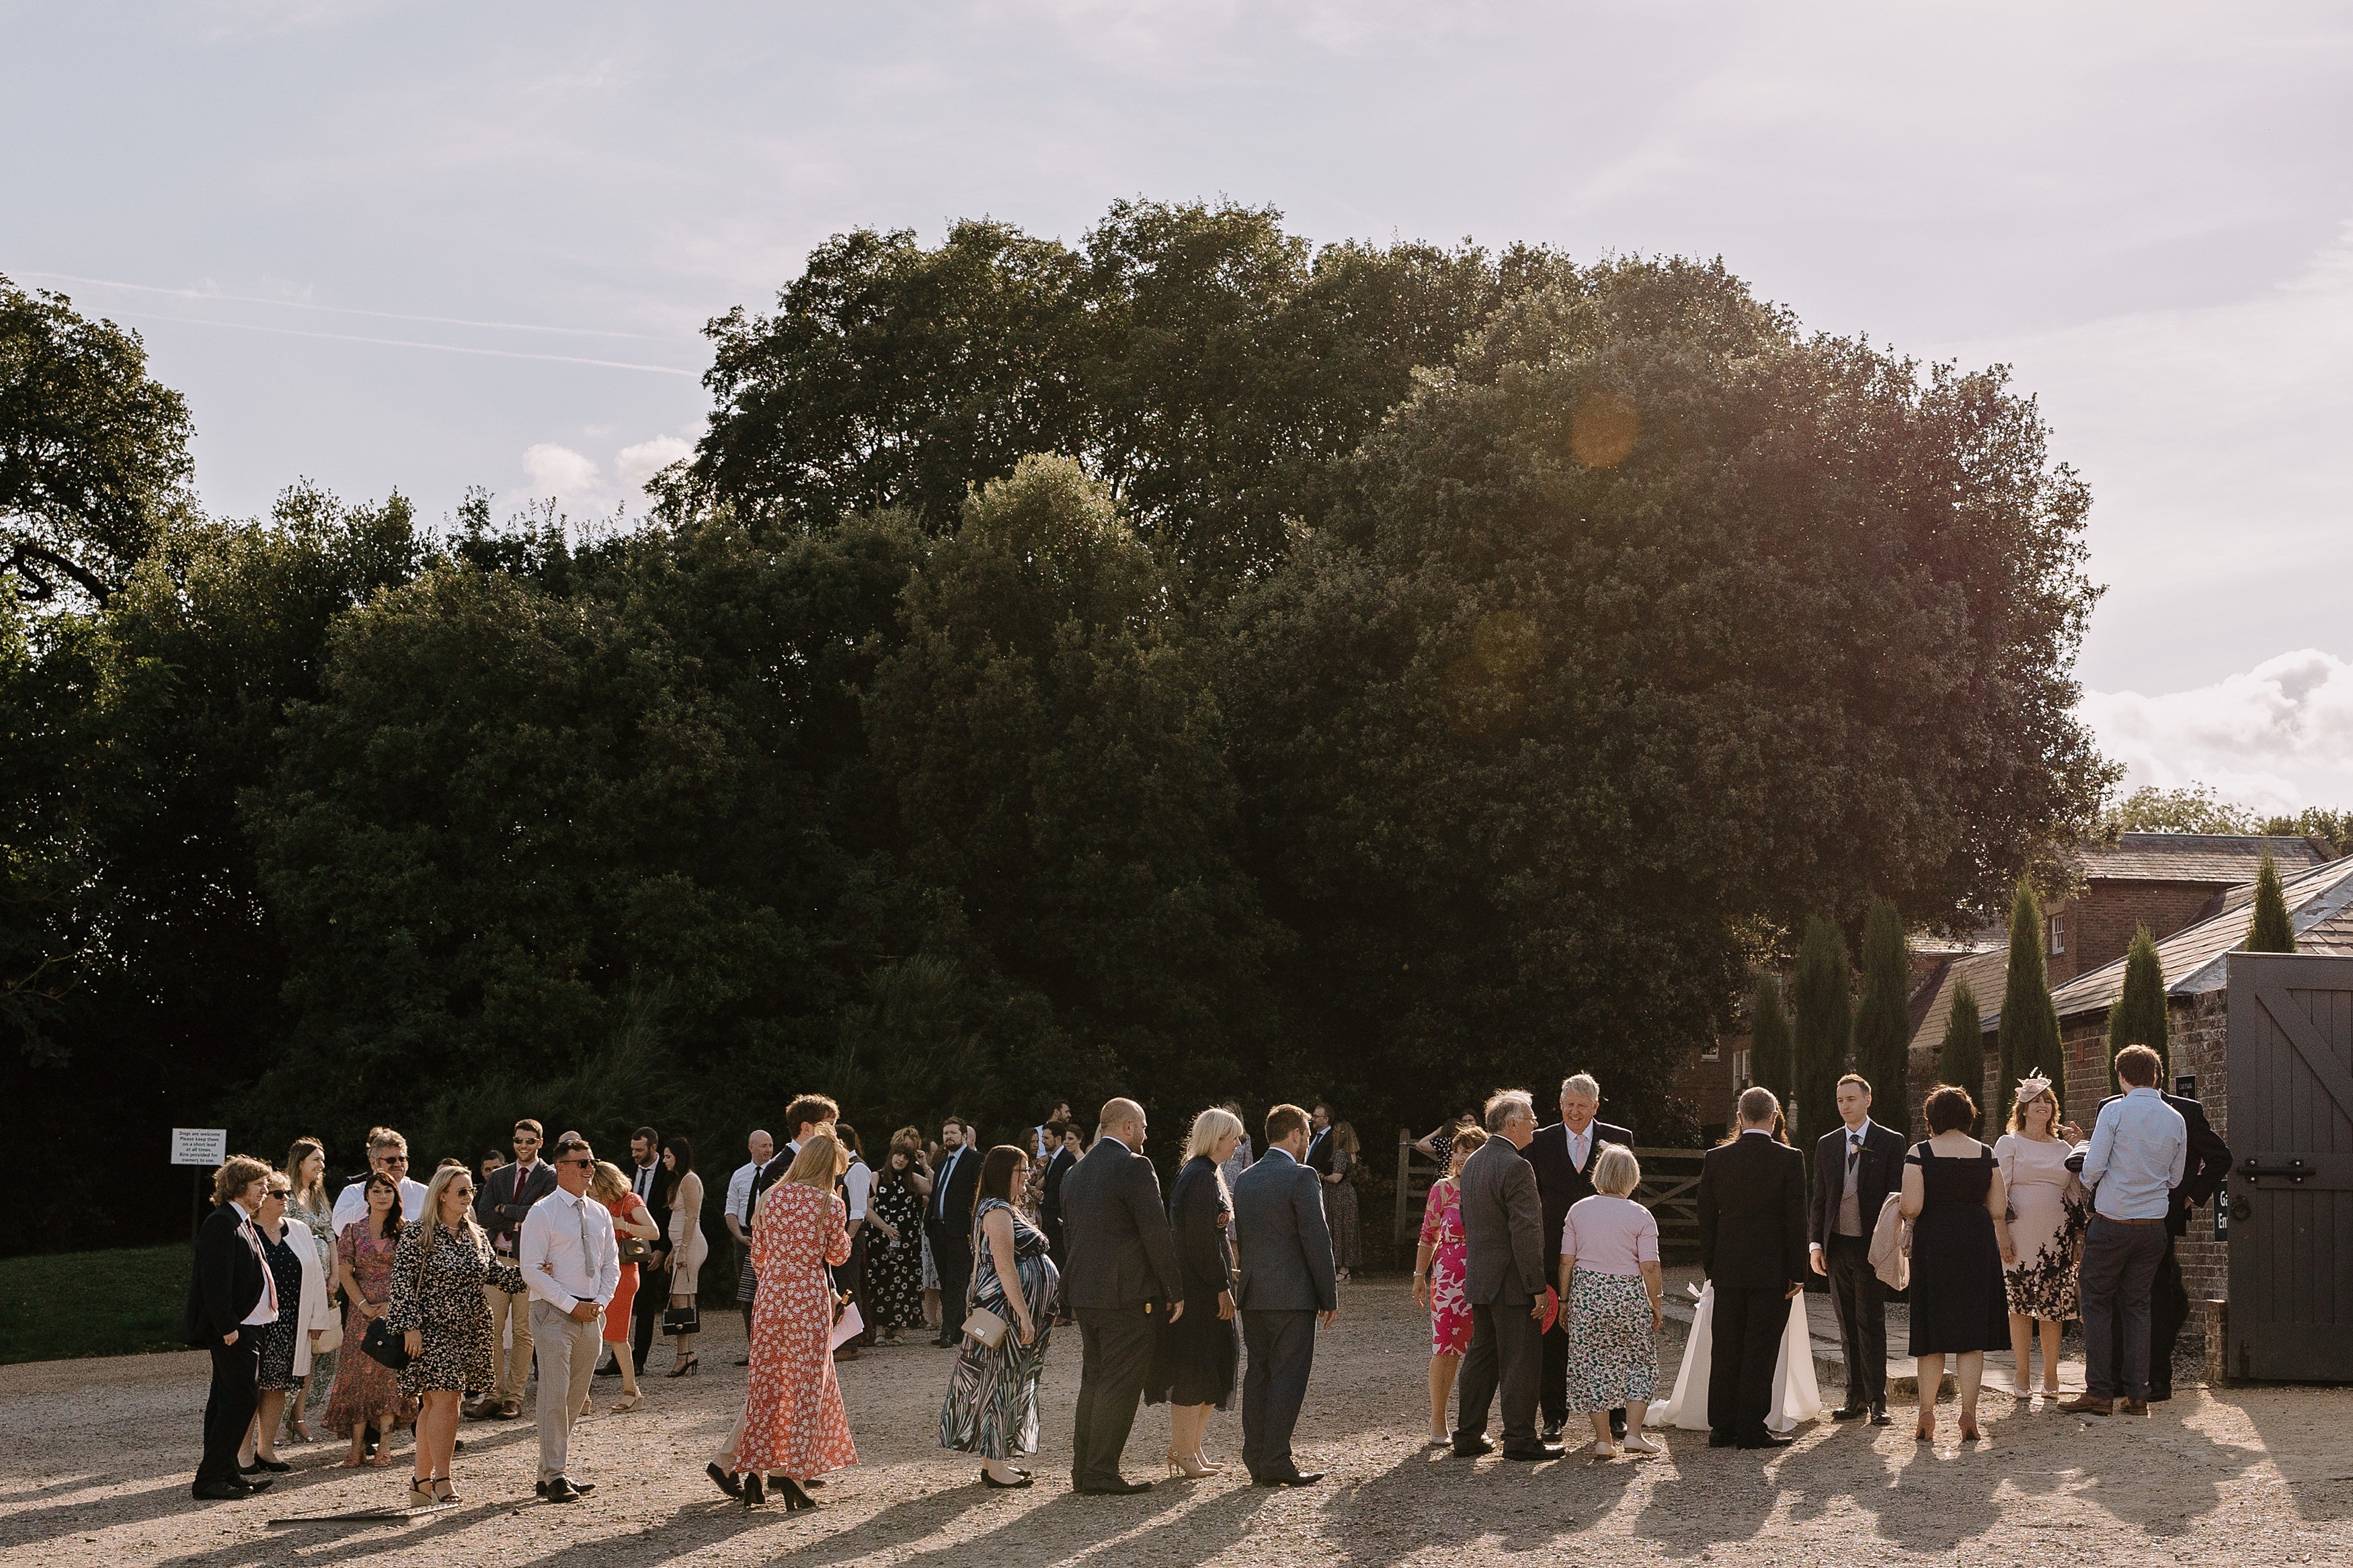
pixel 2209 1163
pixel 1503 1276
pixel 1752 1246
pixel 504 1196
pixel 1287 1278
pixel 1562 1155
pixel 1124 1282
pixel 1066 1138
pixel 948 1220
pixel 231 1299
pixel 1856 1165
pixel 1319 1140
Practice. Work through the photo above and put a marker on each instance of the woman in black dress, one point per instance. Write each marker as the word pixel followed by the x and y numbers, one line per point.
pixel 894 1257
pixel 1193 1366
pixel 1953 1196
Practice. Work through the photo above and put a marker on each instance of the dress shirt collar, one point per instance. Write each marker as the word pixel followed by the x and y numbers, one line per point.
pixel 242 1213
pixel 1756 1132
pixel 1107 1138
pixel 1858 1134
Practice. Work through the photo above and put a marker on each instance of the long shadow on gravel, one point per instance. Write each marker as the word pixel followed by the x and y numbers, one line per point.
pixel 1430 1500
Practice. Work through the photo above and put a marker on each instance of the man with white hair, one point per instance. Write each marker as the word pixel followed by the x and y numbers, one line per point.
pixel 1503 1276
pixel 1563 1155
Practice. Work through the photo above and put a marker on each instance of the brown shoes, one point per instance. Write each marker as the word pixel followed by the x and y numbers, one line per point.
pixel 509 1409
pixel 2134 1406
pixel 2084 1404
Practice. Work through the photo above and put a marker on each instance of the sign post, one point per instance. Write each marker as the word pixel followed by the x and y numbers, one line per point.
pixel 204 1148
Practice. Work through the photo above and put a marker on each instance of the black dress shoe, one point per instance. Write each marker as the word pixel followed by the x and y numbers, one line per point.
pixel 218 1491
pixel 1472 1448
pixel 1850 1412
pixel 1532 1452
pixel 1122 1488
pixel 1289 1479
pixel 1879 1417
pixel 562 1490
pixel 1719 1441
pixel 253 1483
pixel 1552 1430
pixel 1767 1441
pixel 722 1480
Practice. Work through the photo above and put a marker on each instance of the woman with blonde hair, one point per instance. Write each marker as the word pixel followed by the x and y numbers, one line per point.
pixel 2049 1212
pixel 1193 1364
pixel 793 1426
pixel 310 1203
pixel 1437 1273
pixel 443 1265
pixel 1613 1294
pixel 631 1222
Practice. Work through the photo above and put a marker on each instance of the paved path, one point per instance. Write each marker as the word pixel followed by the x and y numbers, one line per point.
pixel 95 1458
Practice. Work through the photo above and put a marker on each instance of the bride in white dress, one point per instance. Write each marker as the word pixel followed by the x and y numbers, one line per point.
pixel 1796 1397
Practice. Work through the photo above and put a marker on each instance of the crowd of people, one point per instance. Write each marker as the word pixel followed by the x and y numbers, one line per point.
pixel 411 1306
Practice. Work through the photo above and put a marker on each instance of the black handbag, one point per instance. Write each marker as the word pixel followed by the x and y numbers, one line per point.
pixel 682 1320
pixel 384 1345
pixel 635 1249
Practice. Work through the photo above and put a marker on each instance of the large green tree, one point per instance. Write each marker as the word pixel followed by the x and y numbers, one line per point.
pixel 2270 930
pixel 1822 993
pixel 2028 1031
pixel 1961 1057
pixel 1771 1062
pixel 1882 1018
pixel 2140 1017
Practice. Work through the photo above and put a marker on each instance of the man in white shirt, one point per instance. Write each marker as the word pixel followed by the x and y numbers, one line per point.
pixel 570 1266
pixel 2140 1149
pixel 857 1182
pixel 387 1151
pixel 738 1214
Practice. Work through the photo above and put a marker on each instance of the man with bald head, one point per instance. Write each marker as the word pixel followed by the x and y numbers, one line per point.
pixel 1124 1281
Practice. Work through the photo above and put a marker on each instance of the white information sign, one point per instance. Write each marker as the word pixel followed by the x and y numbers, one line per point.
pixel 199 1145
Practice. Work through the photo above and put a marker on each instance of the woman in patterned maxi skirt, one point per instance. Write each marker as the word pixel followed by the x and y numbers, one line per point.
pixel 992 1403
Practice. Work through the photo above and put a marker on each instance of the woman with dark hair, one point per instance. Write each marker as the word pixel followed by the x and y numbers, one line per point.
pixel 1955 1197
pixel 992 1403
pixel 302 1315
pixel 894 1256
pixel 366 1397
pixel 682 1240
pixel 1340 1207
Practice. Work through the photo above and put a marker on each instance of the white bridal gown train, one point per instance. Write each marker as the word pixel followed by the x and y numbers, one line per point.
pixel 1796 1396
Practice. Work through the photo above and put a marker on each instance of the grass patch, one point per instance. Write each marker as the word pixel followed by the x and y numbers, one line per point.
pixel 67 1304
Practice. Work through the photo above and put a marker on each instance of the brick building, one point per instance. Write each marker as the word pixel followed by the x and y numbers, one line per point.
pixel 2162 880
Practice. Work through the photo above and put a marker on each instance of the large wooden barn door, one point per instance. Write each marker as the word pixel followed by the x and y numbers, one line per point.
pixel 2291 1129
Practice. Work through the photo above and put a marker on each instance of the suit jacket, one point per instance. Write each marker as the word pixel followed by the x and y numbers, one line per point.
pixel 1116 1233
pixel 2201 1174
pixel 1878 1173
pixel 1502 1222
pixel 1560 1181
pixel 1752 1213
pixel 1286 1246
pixel 1049 1205
pixel 499 1208
pixel 963 1190
pixel 1319 1152
pixel 227 1280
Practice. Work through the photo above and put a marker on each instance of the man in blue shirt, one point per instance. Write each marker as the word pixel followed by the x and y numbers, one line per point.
pixel 2139 1149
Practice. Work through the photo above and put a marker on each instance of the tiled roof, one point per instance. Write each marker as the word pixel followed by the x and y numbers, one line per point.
pixel 1985 972
pixel 2220 859
pixel 2320 905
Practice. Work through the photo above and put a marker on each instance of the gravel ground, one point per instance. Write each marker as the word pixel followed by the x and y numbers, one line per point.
pixel 95 1460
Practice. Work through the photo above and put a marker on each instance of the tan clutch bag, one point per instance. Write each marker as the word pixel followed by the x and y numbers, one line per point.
pixel 987 1327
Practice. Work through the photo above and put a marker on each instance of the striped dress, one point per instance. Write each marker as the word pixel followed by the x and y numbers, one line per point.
pixel 992 1403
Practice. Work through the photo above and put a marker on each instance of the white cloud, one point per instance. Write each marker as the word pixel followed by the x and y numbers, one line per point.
pixel 2278 737
pixel 641 462
pixel 570 477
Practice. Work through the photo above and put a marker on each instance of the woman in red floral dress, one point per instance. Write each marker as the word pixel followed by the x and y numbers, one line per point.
pixel 792 1426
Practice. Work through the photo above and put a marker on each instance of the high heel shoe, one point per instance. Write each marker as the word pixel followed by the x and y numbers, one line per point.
pixel 1969 1433
pixel 420 1494
pixel 626 1403
pixel 1185 1465
pixel 1926 1432
pixel 722 1480
pixel 753 1493
pixel 686 1367
pixel 444 1490
pixel 796 1499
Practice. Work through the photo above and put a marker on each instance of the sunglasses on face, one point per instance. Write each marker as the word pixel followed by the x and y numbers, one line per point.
pixel 396 1159
pixel 589 1163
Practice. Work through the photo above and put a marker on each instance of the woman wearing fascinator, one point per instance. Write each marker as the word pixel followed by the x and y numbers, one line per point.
pixel 2049 1211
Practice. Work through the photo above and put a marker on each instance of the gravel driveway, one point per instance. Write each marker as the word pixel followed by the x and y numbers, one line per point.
pixel 95 1458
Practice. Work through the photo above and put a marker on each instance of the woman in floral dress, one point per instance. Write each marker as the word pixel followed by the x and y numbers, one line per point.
pixel 1438 1269
pixel 1340 1207
pixel 792 1426
pixel 992 1403
pixel 2049 1212
pixel 444 1265
pixel 894 1257
pixel 366 1393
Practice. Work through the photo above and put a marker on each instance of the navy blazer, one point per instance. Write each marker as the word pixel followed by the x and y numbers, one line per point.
pixel 1115 1232
pixel 228 1280
pixel 1285 1245
pixel 1752 1213
pixel 1559 1183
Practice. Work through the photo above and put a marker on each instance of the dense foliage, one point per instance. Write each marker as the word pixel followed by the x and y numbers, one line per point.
pixel 2027 1029
pixel 1188 664
pixel 1960 1058
pixel 1822 1012
pixel 2270 930
pixel 2140 1016
pixel 1883 1017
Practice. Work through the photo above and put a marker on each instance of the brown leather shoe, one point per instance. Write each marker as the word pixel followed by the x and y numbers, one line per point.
pixel 2084 1404
pixel 2133 1407
pixel 510 1409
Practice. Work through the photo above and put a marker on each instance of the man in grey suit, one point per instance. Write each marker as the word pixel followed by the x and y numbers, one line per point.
pixel 1287 1278
pixel 1124 1281
pixel 1503 1226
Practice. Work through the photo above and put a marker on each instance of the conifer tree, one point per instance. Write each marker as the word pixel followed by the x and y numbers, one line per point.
pixel 1961 1059
pixel 1769 1061
pixel 2272 931
pixel 1883 1032
pixel 2028 1037
pixel 1821 992
pixel 2139 1017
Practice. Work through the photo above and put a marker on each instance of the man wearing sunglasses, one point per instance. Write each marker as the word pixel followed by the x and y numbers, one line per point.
pixel 572 1266
pixel 504 1199
pixel 387 1153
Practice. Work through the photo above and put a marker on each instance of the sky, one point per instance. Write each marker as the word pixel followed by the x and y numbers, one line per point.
pixel 425 247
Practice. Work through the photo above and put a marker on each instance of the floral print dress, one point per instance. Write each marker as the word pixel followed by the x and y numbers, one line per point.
pixel 366 1392
pixel 1442 1231
pixel 2049 1212
pixel 894 1269
pixel 442 1296
pixel 793 1424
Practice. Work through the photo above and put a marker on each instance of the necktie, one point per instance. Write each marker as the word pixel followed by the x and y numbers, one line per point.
pixel 1853 1151
pixel 269 1279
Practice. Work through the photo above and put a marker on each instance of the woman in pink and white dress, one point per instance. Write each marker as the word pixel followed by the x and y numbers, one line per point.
pixel 1437 1279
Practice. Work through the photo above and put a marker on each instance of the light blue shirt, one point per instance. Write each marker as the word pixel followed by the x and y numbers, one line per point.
pixel 2140 1148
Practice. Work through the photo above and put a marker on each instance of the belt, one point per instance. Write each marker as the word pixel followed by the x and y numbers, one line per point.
pixel 2112 1220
